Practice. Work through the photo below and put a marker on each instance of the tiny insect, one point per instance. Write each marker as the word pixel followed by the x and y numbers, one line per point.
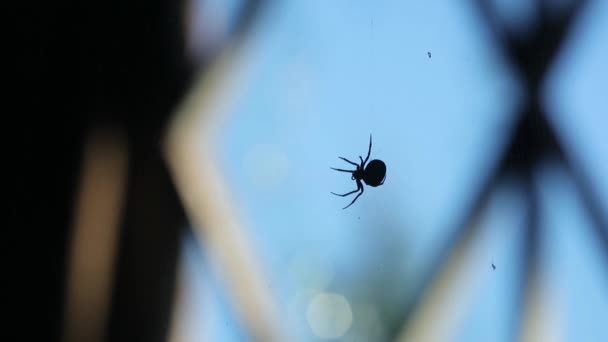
pixel 493 267
pixel 373 174
pixel 429 54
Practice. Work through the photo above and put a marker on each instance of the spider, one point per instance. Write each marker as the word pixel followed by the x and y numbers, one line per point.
pixel 373 174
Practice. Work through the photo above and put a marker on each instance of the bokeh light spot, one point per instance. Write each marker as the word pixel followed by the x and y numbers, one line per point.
pixel 329 315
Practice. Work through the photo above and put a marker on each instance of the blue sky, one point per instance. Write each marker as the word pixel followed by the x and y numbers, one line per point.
pixel 326 74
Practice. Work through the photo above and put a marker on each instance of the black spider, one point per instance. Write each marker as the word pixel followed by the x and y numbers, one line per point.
pixel 373 174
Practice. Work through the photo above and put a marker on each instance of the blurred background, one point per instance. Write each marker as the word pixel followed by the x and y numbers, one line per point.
pixel 188 183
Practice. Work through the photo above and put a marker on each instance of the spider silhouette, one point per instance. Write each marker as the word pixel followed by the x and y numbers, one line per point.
pixel 373 174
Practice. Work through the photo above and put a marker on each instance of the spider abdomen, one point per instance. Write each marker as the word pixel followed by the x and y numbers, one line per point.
pixel 375 173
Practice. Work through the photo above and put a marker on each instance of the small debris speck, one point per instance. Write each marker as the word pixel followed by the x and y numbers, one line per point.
pixel 429 54
pixel 493 266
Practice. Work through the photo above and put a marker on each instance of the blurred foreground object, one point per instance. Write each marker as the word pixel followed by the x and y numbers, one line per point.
pixel 102 79
pixel 533 141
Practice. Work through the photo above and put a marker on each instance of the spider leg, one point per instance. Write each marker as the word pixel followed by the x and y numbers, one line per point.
pixel 342 170
pixel 344 195
pixel 369 150
pixel 360 187
pixel 348 161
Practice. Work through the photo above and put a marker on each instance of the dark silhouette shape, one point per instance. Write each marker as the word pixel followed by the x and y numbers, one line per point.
pixel 373 174
pixel 493 267
pixel 429 53
pixel 532 141
pixel 116 64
